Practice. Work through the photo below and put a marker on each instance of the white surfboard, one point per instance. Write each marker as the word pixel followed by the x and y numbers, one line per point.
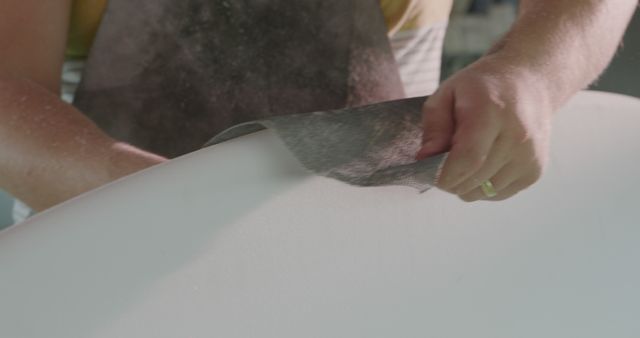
pixel 237 240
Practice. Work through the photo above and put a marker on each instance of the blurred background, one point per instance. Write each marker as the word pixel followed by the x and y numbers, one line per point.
pixel 475 25
pixel 5 210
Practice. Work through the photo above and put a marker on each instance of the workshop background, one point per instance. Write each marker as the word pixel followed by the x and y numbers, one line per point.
pixel 475 25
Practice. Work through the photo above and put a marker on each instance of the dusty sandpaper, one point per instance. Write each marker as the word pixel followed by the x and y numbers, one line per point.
pixel 167 75
pixel 373 145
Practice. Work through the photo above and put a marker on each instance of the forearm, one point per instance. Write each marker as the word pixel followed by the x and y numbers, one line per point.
pixel 50 152
pixel 566 43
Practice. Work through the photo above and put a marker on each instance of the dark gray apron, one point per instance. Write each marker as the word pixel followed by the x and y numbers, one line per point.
pixel 167 75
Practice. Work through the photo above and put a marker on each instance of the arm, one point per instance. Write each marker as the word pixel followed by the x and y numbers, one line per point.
pixel 49 151
pixel 494 116
pixel 569 42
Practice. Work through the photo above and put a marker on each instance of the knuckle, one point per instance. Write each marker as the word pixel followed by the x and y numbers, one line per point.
pixel 520 135
pixel 474 159
pixel 517 135
pixel 529 157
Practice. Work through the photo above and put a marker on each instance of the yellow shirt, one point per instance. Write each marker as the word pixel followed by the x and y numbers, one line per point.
pixel 402 15
pixel 85 19
pixel 399 15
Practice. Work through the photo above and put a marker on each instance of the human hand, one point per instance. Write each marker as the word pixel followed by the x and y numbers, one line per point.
pixel 494 119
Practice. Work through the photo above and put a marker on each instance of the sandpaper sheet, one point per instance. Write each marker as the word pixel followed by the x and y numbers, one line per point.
pixel 372 145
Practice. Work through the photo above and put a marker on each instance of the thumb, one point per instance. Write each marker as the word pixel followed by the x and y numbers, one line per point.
pixel 437 124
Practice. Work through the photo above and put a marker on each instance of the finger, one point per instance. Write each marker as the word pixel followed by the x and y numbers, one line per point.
pixel 507 182
pixel 506 176
pixel 502 179
pixel 499 156
pixel 438 125
pixel 478 195
pixel 513 189
pixel 473 139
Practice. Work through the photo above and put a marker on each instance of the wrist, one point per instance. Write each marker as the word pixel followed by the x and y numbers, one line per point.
pixel 550 85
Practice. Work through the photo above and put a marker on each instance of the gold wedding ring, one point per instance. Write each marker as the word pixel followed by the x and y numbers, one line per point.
pixel 488 189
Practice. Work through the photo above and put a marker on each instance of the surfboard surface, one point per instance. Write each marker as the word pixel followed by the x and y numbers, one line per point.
pixel 238 240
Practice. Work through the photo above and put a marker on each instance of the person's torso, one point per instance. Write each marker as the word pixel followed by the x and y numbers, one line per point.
pixel 416 30
pixel 400 15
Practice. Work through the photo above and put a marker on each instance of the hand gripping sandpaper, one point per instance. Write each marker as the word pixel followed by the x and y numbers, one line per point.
pixel 166 75
pixel 372 145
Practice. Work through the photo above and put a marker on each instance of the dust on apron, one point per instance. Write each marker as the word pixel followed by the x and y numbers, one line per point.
pixel 167 75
